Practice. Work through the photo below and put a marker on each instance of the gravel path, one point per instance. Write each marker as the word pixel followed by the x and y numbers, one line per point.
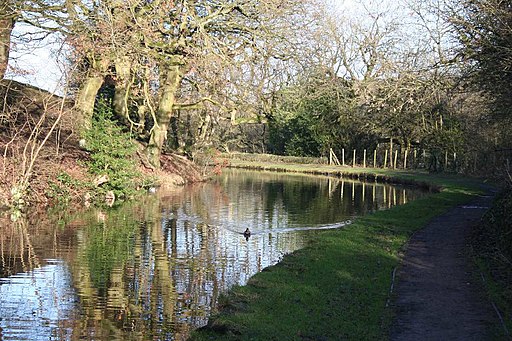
pixel 438 294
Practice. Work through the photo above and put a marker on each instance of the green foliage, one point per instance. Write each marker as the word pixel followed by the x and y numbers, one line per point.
pixel 111 154
pixel 492 245
pixel 441 141
pixel 295 136
pixel 500 221
pixel 312 116
pixel 61 191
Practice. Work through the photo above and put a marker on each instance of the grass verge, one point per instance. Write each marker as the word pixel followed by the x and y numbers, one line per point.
pixel 338 286
pixel 491 244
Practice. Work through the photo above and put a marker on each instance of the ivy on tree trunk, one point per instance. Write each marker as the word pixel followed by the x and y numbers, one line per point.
pixel 163 114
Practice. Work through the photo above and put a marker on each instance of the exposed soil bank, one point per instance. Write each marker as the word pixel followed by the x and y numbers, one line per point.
pixel 39 144
pixel 439 293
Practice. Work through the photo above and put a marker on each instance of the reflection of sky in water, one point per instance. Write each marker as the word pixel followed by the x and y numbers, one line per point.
pixel 33 304
pixel 157 266
pixel 209 258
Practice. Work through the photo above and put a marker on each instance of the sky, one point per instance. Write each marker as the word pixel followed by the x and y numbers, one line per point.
pixel 39 65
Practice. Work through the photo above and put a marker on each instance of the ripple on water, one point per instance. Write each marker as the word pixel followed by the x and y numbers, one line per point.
pixel 157 266
pixel 33 304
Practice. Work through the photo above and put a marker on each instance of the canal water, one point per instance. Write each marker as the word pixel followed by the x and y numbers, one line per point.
pixel 153 269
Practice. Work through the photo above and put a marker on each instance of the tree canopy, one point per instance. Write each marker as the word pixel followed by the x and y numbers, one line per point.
pixel 286 76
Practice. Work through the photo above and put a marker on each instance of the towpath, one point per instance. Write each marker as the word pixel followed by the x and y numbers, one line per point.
pixel 438 293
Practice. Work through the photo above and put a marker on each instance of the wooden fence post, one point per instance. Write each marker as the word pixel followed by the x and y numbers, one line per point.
pixel 333 159
pixel 391 153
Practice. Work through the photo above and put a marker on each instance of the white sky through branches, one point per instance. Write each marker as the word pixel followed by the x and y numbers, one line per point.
pixel 36 62
pixel 40 63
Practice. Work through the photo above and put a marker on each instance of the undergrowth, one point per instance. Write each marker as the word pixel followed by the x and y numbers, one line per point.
pixel 492 248
pixel 62 190
pixel 111 154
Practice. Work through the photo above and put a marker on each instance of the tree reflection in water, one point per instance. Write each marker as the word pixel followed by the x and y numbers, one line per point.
pixel 153 268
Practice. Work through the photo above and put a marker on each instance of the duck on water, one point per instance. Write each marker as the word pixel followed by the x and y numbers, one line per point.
pixel 247 233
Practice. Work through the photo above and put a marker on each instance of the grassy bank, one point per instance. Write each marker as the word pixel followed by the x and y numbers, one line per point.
pixel 492 250
pixel 337 287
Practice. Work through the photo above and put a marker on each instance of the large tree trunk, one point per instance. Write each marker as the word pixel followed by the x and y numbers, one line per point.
pixel 122 91
pixel 163 115
pixel 123 62
pixel 86 96
pixel 85 100
pixel 7 21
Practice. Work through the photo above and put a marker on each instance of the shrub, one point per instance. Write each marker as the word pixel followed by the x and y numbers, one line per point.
pixel 111 154
pixel 61 190
pixel 492 243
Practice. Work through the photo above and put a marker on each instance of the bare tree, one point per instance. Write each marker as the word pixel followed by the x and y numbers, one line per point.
pixel 162 52
pixel 7 19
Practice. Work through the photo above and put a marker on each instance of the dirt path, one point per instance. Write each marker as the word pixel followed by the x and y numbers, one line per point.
pixel 438 292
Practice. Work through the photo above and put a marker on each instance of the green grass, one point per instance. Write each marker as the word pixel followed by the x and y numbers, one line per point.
pixel 338 286
pixel 491 246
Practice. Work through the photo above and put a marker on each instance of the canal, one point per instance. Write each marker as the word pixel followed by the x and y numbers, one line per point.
pixel 153 268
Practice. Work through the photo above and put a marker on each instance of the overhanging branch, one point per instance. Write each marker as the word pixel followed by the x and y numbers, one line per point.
pixel 195 105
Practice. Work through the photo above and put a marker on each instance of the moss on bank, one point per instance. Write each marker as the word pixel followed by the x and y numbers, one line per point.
pixel 337 287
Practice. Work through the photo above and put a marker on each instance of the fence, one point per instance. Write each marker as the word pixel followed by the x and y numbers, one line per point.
pixel 472 162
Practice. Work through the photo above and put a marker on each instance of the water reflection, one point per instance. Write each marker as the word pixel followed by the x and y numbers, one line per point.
pixel 153 269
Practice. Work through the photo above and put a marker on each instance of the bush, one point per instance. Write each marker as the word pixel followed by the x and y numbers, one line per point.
pixel 62 190
pixel 497 228
pixel 492 243
pixel 111 154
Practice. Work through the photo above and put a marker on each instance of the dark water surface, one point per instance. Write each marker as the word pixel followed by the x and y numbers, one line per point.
pixel 153 269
